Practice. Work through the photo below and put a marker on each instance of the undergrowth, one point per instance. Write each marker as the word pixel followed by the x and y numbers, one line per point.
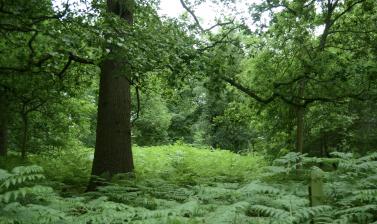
pixel 181 184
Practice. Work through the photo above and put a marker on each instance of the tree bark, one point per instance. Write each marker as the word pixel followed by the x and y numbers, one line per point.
pixel 113 152
pixel 300 119
pixel 25 129
pixel 300 129
pixel 3 140
pixel 3 127
pixel 324 146
pixel 3 136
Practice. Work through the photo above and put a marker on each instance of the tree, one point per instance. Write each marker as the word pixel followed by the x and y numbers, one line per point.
pixel 113 153
pixel 299 68
pixel 133 51
pixel 39 48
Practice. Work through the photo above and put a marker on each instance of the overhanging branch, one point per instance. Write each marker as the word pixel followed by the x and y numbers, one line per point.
pixel 293 100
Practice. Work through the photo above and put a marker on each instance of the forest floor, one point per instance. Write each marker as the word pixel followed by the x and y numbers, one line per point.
pixel 177 184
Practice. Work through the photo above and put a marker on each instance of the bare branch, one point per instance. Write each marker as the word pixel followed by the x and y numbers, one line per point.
pixel 192 13
pixel 220 24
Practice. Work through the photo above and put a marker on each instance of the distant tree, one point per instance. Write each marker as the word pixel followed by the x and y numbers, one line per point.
pixel 299 68
pixel 38 51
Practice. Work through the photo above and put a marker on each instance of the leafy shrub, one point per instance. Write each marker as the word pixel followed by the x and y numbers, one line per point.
pixel 189 165
pixel 68 170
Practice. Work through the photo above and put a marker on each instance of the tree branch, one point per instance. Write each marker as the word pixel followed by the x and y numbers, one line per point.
pixel 346 10
pixel 75 58
pixel 330 22
pixel 192 13
pixel 248 91
pixel 219 41
pixel 295 100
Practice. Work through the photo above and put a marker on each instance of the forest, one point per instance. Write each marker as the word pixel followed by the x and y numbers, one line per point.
pixel 113 112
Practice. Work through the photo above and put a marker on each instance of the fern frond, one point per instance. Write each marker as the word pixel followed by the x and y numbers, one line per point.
pixel 228 213
pixel 23 192
pixel 257 187
pixel 262 210
pixel 20 176
pixel 305 214
pixel 368 195
pixel 361 214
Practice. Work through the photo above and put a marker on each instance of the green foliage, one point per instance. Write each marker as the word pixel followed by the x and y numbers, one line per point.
pixel 19 182
pixel 233 88
pixel 19 187
pixel 183 184
pixel 68 170
pixel 171 186
pixel 154 118
pixel 191 165
pixel 350 189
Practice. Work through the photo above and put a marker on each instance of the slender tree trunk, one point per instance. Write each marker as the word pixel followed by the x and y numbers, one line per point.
pixel 3 135
pixel 3 125
pixel 113 153
pixel 291 126
pixel 300 119
pixel 300 129
pixel 3 140
pixel 24 139
pixel 324 147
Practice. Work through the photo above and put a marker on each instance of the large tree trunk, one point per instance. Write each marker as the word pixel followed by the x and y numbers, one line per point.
pixel 113 152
